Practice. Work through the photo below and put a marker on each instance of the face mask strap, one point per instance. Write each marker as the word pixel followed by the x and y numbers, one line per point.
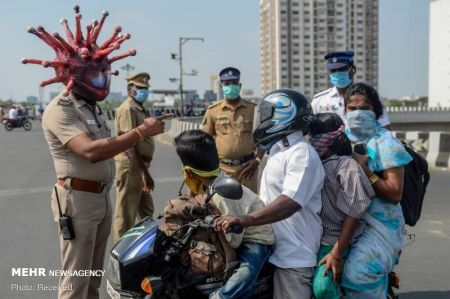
pixel 181 188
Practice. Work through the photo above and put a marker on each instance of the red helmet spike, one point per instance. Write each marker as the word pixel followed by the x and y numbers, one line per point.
pixel 69 87
pixel 51 81
pixel 78 34
pixel 49 39
pixel 123 38
pixel 107 43
pixel 105 52
pixel 78 63
pixel 32 61
pixel 94 24
pixel 69 33
pixel 53 64
pixel 99 27
pixel 65 45
pixel 33 30
pixel 89 31
pixel 130 52
pixel 85 53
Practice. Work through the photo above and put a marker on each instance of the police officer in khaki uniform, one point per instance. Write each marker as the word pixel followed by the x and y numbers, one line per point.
pixel 82 149
pixel 133 179
pixel 230 121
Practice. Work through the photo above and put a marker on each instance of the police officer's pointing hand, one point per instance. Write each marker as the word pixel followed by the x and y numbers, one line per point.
pixel 153 126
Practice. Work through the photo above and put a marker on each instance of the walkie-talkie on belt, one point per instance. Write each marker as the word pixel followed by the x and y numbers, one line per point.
pixel 65 222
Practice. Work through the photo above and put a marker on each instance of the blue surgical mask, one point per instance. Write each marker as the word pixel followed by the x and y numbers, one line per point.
pixel 98 81
pixel 141 95
pixel 231 92
pixel 340 79
pixel 362 125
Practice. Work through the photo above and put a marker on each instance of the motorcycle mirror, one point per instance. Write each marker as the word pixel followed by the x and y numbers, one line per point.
pixel 225 186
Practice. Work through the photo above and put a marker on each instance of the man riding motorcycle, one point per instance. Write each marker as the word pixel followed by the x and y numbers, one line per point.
pixel 198 153
pixel 13 115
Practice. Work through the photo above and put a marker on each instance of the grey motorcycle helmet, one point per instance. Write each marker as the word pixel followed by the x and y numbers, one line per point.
pixel 278 114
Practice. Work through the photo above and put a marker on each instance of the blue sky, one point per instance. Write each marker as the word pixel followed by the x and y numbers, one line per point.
pixel 230 29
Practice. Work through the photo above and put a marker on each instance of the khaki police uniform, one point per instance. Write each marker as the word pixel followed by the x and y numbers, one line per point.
pixel 232 128
pixel 131 202
pixel 83 189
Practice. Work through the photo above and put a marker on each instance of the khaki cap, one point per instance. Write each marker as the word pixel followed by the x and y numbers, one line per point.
pixel 140 79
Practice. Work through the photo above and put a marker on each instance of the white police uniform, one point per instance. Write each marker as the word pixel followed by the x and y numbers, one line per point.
pixel 331 101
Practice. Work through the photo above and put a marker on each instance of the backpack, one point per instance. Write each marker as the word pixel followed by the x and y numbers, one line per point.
pixel 207 251
pixel 415 184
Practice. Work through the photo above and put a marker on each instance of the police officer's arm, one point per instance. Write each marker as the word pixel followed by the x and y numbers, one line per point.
pixel 106 148
pixel 208 125
pixel 147 179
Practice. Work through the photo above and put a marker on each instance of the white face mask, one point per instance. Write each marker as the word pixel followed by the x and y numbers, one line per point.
pixel 362 124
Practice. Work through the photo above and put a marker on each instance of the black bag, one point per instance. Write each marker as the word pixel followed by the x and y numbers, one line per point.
pixel 414 187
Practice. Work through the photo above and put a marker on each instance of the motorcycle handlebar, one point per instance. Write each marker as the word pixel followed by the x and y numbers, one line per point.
pixel 235 228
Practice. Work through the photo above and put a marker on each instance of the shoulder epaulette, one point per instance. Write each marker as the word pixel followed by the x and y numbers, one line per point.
pixel 214 105
pixel 64 101
pixel 321 93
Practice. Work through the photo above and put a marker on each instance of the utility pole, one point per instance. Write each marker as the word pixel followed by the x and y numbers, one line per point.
pixel 181 42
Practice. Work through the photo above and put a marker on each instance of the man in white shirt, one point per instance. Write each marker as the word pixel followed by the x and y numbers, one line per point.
pixel 342 70
pixel 290 187
pixel 12 115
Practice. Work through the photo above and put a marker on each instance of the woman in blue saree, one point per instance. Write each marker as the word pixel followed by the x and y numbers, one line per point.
pixel 377 250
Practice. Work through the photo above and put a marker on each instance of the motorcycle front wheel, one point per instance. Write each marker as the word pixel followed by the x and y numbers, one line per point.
pixel 8 126
pixel 27 126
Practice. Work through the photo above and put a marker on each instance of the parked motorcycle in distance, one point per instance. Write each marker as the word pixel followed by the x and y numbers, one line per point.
pixel 136 267
pixel 23 122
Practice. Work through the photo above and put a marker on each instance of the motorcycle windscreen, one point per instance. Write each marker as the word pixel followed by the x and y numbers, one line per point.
pixel 137 241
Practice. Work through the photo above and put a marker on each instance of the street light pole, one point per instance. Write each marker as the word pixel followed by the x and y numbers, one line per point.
pixel 181 41
pixel 180 51
pixel 127 67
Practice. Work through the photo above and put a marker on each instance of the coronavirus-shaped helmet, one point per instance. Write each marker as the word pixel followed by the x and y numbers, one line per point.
pixel 80 64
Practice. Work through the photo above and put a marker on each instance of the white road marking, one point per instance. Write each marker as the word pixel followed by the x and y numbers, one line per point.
pixel 434 221
pixel 439 233
pixel 47 189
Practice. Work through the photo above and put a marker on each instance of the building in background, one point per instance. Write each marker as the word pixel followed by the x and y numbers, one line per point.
pixel 439 54
pixel 210 96
pixel 32 100
pixel 216 86
pixel 295 35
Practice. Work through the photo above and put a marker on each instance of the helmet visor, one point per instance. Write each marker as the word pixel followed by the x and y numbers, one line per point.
pixel 263 112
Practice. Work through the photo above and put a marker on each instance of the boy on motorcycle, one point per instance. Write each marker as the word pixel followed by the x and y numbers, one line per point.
pixel 198 153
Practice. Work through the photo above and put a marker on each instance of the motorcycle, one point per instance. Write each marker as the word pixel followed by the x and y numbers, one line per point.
pixel 23 122
pixel 137 267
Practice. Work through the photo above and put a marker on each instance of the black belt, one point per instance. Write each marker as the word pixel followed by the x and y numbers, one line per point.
pixel 241 161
